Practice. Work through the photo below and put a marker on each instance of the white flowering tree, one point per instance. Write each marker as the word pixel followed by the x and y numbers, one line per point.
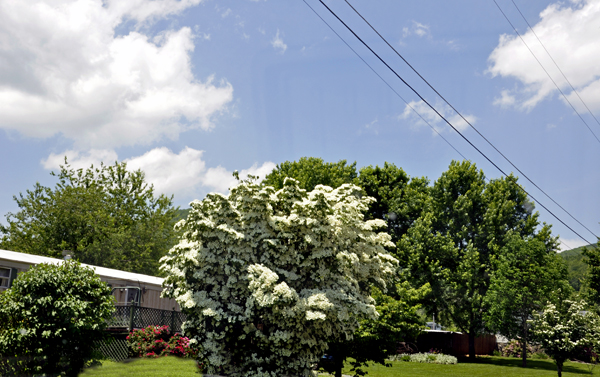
pixel 565 331
pixel 268 277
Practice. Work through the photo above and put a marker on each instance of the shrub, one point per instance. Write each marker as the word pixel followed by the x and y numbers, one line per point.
pixel 432 358
pixel 51 318
pixel 155 341
pixel 268 278
pixel 514 349
pixel 539 355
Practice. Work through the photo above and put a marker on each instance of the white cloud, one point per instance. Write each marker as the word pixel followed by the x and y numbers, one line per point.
pixel 226 13
pixel 220 179
pixel 418 29
pixel 79 159
pixel 433 119
pixel 184 174
pixel 278 43
pixel 170 173
pixel 370 127
pixel 63 70
pixel 141 10
pixel 505 100
pixel 572 243
pixel 570 33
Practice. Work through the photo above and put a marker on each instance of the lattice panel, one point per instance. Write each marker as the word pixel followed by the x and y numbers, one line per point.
pixel 125 316
pixel 148 316
pixel 114 349
pixel 120 317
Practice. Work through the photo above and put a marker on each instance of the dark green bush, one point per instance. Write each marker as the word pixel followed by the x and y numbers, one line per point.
pixel 50 320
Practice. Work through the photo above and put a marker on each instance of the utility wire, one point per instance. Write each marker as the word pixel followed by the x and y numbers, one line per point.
pixel 550 77
pixel 469 123
pixel 556 64
pixel 441 116
pixel 386 83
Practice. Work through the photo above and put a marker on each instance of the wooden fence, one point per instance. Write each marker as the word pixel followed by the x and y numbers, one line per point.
pixel 454 343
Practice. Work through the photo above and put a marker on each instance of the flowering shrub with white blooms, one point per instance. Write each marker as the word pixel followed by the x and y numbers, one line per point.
pixel 268 278
pixel 564 332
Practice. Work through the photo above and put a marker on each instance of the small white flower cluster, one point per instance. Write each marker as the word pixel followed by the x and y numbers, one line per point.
pixel 431 358
pixel 268 278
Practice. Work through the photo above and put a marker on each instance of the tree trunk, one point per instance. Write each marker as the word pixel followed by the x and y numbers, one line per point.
pixel 338 367
pixel 559 367
pixel 472 345
pixel 524 352
pixel 524 341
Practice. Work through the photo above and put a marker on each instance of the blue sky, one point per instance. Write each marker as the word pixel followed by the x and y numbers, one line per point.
pixel 190 90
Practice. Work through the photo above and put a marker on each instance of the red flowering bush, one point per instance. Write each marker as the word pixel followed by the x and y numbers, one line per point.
pixel 155 341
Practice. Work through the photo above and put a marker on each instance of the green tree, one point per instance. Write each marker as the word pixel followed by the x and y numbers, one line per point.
pixel 50 319
pixel 400 199
pixel 399 320
pixel 310 172
pixel 452 245
pixel 564 330
pixel 526 273
pixel 592 280
pixel 268 277
pixel 106 216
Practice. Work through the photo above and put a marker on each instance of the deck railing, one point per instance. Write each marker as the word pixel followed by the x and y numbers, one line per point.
pixel 130 317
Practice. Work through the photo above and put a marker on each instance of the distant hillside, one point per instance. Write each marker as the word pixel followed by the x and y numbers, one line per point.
pixel 181 214
pixel 575 265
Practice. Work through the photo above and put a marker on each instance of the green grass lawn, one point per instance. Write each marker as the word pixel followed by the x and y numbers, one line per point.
pixel 484 367
pixel 160 367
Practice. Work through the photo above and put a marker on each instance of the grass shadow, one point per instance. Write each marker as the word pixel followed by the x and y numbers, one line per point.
pixel 531 364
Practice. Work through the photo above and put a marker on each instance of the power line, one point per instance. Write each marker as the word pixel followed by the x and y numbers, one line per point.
pixel 441 116
pixel 386 83
pixel 556 64
pixel 550 77
pixel 469 123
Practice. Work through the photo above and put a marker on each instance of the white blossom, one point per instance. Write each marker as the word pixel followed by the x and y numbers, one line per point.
pixel 267 278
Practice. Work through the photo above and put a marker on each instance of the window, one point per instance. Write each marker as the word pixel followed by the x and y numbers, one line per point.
pixel 4 278
pixel 127 295
pixel 133 296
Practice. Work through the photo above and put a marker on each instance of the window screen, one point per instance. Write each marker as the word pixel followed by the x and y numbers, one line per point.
pixel 4 278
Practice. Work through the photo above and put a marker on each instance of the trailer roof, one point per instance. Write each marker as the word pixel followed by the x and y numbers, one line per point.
pixel 102 271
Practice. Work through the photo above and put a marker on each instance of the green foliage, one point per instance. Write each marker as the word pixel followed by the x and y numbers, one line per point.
pixel 50 319
pixel 107 216
pixel 540 355
pixel 592 282
pixel 400 199
pixel 155 341
pixel 453 244
pixel 526 273
pixel 375 340
pixel 310 172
